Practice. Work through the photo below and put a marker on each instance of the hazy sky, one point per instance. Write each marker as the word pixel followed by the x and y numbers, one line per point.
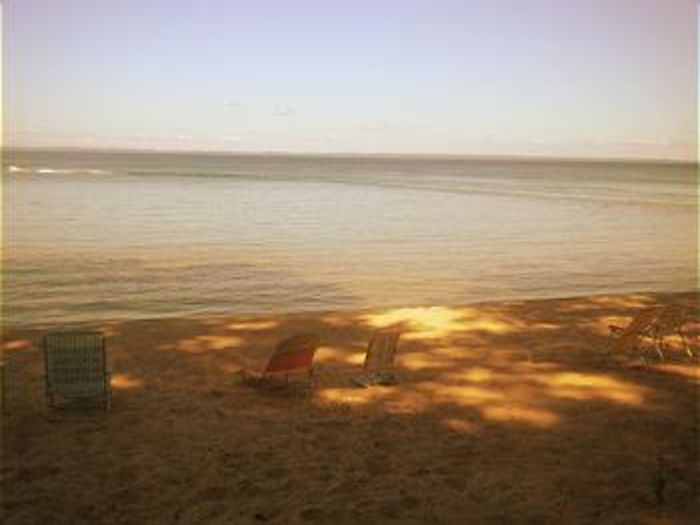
pixel 496 77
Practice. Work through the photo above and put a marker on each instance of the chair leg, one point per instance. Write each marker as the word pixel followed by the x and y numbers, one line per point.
pixel 658 344
pixel 686 346
pixel 638 348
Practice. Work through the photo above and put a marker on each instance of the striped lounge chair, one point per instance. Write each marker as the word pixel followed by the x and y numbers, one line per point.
pixel 379 360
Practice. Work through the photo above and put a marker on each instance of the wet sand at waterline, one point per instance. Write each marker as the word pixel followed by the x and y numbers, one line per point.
pixel 506 413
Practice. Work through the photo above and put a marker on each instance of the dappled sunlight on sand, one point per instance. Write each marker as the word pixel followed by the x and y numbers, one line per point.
pixel 526 393
pixel 126 381
pixel 460 395
pixel 395 400
pixel 461 425
pixel 592 386
pixel 532 416
pixel 437 321
pixel 628 301
pixel 434 357
pixel 504 385
pixel 502 413
pixel 351 395
pixel 335 355
pixel 525 366
pixel 450 352
pixel 419 361
pixel 689 372
pixel 493 404
pixel 205 343
pixel 252 325
pixel 475 375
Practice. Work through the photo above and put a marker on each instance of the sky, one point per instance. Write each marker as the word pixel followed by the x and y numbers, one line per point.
pixel 560 78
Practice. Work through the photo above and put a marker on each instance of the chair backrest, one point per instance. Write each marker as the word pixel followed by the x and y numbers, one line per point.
pixel 644 321
pixel 381 350
pixel 294 353
pixel 644 325
pixel 672 318
pixel 76 365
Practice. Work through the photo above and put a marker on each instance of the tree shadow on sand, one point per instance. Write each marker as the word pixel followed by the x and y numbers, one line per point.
pixel 505 413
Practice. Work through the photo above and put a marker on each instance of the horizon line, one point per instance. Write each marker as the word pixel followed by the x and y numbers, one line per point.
pixel 331 154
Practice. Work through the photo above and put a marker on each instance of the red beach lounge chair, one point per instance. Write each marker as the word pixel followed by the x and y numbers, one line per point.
pixel 292 355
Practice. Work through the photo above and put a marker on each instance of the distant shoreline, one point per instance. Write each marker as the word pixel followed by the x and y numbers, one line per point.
pixel 346 155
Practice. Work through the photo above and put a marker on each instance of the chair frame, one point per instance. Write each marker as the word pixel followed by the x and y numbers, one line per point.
pixel 379 371
pixel 653 323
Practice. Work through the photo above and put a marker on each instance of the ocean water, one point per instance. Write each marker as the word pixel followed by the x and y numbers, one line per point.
pixel 89 236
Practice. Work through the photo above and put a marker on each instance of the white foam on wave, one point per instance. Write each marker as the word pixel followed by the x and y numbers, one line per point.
pixel 69 171
pixel 49 171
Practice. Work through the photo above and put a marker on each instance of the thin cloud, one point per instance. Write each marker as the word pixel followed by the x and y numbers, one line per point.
pixel 283 111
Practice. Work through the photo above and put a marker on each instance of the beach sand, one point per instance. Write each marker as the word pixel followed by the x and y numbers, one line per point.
pixel 506 413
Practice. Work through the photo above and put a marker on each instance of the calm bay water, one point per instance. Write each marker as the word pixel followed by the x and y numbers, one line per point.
pixel 95 235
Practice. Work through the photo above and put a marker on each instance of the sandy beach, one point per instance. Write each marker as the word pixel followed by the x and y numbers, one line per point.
pixel 506 413
pixel 486 195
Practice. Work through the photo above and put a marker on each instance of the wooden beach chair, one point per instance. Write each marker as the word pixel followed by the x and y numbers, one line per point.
pixel 292 355
pixel 652 324
pixel 76 369
pixel 379 360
